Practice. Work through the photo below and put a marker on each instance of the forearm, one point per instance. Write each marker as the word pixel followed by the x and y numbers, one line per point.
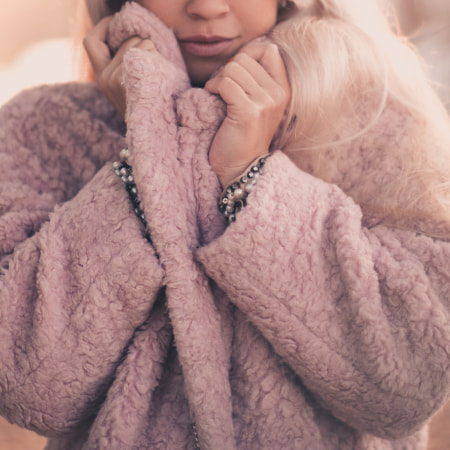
pixel 336 302
pixel 71 299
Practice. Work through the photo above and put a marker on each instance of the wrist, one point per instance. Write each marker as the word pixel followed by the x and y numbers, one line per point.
pixel 226 178
pixel 234 196
pixel 229 175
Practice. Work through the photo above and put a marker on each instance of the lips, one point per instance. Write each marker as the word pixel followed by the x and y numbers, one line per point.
pixel 205 46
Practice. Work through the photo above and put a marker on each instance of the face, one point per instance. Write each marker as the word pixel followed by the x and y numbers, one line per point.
pixel 433 9
pixel 210 32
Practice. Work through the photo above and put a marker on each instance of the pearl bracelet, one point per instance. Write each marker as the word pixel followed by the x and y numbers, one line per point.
pixel 234 197
pixel 232 200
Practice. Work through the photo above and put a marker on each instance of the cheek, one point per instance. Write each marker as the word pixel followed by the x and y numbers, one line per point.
pixel 433 8
pixel 260 16
pixel 163 9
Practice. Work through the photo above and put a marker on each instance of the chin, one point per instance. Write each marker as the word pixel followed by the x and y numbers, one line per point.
pixel 200 77
pixel 197 81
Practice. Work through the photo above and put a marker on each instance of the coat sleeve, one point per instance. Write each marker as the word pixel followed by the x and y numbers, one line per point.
pixel 76 275
pixel 361 315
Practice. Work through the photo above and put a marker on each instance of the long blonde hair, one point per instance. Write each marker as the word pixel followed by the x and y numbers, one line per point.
pixel 346 68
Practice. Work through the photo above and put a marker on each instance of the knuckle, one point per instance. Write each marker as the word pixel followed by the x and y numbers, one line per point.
pixel 255 110
pixel 129 43
pixel 272 55
pixel 133 40
pixel 226 83
pixel 147 44
pixel 102 79
pixel 230 67
pixel 241 58
pixel 86 41
pixel 271 50
pixel 274 103
pixel 88 44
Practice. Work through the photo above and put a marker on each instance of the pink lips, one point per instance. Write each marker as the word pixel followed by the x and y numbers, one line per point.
pixel 206 46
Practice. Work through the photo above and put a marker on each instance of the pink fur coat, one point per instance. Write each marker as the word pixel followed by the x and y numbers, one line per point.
pixel 294 328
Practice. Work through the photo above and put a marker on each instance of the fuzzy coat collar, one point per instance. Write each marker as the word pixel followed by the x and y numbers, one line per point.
pixel 170 129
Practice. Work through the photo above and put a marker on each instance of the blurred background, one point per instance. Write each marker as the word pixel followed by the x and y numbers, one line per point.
pixel 427 24
pixel 35 43
pixel 36 47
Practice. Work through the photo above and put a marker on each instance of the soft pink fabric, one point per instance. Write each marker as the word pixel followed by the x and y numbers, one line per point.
pixel 294 328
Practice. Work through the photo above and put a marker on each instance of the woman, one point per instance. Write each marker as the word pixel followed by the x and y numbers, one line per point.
pixel 317 319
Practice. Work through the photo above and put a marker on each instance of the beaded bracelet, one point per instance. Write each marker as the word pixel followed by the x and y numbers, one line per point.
pixel 234 197
pixel 232 200
pixel 125 172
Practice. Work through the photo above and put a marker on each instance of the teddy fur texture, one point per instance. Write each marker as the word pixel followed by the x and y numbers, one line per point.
pixel 294 328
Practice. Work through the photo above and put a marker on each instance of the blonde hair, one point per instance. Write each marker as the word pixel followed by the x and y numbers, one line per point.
pixel 346 68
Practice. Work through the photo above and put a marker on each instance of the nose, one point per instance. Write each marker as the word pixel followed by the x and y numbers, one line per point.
pixel 208 9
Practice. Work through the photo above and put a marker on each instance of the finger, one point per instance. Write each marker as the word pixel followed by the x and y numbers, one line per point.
pixel 131 42
pixel 241 75
pixel 270 59
pixel 96 48
pixel 147 45
pixel 115 63
pixel 262 52
pixel 249 71
pixel 254 80
pixel 264 64
pixel 246 71
pixel 229 90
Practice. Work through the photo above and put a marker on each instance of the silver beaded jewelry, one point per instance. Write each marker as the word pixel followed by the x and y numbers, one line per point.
pixel 234 197
pixel 195 434
pixel 125 172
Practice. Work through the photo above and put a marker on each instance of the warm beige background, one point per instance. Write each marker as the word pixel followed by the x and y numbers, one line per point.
pixel 35 43
pixel 49 23
pixel 25 21
pixel 427 22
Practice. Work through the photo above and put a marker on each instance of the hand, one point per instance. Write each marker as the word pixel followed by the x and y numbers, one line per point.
pixel 255 87
pixel 108 69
